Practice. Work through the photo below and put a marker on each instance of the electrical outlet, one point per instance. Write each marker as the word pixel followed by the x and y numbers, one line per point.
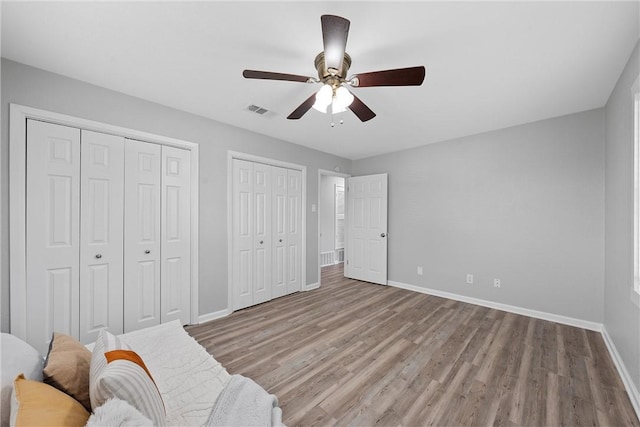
pixel 470 279
pixel 496 283
pixel 419 270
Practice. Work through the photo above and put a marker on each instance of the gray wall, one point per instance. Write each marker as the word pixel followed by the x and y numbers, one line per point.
pixel 40 89
pixel 523 204
pixel 621 315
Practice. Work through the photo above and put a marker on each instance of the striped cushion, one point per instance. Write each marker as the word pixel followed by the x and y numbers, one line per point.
pixel 117 371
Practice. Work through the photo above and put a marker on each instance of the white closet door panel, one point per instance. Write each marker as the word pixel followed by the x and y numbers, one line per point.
pixel 52 235
pixel 101 234
pixel 262 233
pixel 279 251
pixel 294 231
pixel 142 235
pixel 243 246
pixel 175 283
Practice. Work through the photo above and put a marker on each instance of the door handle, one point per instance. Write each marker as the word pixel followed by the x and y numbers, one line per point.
pixel 280 240
pixel 261 242
pixel 98 256
pixel 383 235
pixel 147 251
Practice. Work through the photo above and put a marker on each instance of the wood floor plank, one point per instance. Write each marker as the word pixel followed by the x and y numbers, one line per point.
pixel 354 353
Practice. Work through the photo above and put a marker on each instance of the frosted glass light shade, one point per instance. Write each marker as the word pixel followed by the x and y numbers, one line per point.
pixel 343 97
pixel 341 100
pixel 323 98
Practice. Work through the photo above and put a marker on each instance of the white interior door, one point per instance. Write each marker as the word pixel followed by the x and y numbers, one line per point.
pixel 101 234
pixel 52 232
pixel 366 249
pixel 141 235
pixel 294 231
pixel 175 282
pixel 280 229
pixel 243 244
pixel 339 217
pixel 262 232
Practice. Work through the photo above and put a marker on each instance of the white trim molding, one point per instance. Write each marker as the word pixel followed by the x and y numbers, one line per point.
pixel 632 389
pixel 18 115
pixel 565 320
pixel 327 173
pixel 213 315
pixel 312 286
pixel 635 91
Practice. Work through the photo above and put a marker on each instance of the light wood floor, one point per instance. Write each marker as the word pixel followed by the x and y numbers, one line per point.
pixel 354 353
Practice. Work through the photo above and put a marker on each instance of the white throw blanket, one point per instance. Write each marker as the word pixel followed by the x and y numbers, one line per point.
pixel 189 379
pixel 244 403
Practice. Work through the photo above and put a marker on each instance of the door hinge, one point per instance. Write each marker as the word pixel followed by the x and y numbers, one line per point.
pixel 347 261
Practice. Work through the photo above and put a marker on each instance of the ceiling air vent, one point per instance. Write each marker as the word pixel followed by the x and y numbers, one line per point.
pixel 257 110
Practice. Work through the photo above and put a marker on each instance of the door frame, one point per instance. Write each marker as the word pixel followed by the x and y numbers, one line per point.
pixel 231 155
pixel 18 115
pixel 346 177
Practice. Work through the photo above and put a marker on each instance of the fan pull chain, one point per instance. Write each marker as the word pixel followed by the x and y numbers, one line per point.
pixel 333 124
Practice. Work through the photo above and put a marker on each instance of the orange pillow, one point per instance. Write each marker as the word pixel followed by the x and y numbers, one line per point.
pixel 39 404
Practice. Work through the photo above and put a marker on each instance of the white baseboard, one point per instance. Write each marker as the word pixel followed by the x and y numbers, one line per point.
pixel 585 324
pixel 312 286
pixel 632 389
pixel 213 316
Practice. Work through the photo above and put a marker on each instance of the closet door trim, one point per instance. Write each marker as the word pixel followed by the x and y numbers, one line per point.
pixel 18 115
pixel 231 155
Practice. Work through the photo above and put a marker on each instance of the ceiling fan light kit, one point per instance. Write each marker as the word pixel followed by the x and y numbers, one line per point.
pixel 332 66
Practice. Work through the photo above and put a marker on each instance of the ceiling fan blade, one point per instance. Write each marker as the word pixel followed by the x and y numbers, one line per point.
pixel 412 76
pixel 268 75
pixel 303 108
pixel 359 108
pixel 334 36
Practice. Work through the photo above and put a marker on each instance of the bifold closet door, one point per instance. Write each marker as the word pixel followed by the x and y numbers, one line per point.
pixel 267 232
pixel 294 231
pixel 280 230
pixel 262 232
pixel 251 250
pixel 242 219
pixel 52 234
pixel 287 234
pixel 142 234
pixel 175 271
pixel 101 234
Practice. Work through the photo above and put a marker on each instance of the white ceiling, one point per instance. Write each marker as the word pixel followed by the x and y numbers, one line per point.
pixel 489 65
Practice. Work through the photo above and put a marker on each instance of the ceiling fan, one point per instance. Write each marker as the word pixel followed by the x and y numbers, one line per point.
pixel 332 65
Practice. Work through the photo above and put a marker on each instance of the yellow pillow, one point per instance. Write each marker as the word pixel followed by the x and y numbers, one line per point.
pixel 39 404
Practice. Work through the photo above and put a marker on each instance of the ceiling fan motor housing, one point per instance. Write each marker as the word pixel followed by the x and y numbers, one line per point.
pixel 332 76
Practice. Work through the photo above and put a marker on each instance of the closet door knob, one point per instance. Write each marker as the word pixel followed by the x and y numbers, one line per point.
pixel 98 256
pixel 261 242
pixel 382 235
pixel 280 240
pixel 147 251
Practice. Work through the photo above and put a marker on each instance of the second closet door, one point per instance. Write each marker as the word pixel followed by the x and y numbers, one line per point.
pixel 251 233
pixel 267 232
pixel 142 235
pixel 287 234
